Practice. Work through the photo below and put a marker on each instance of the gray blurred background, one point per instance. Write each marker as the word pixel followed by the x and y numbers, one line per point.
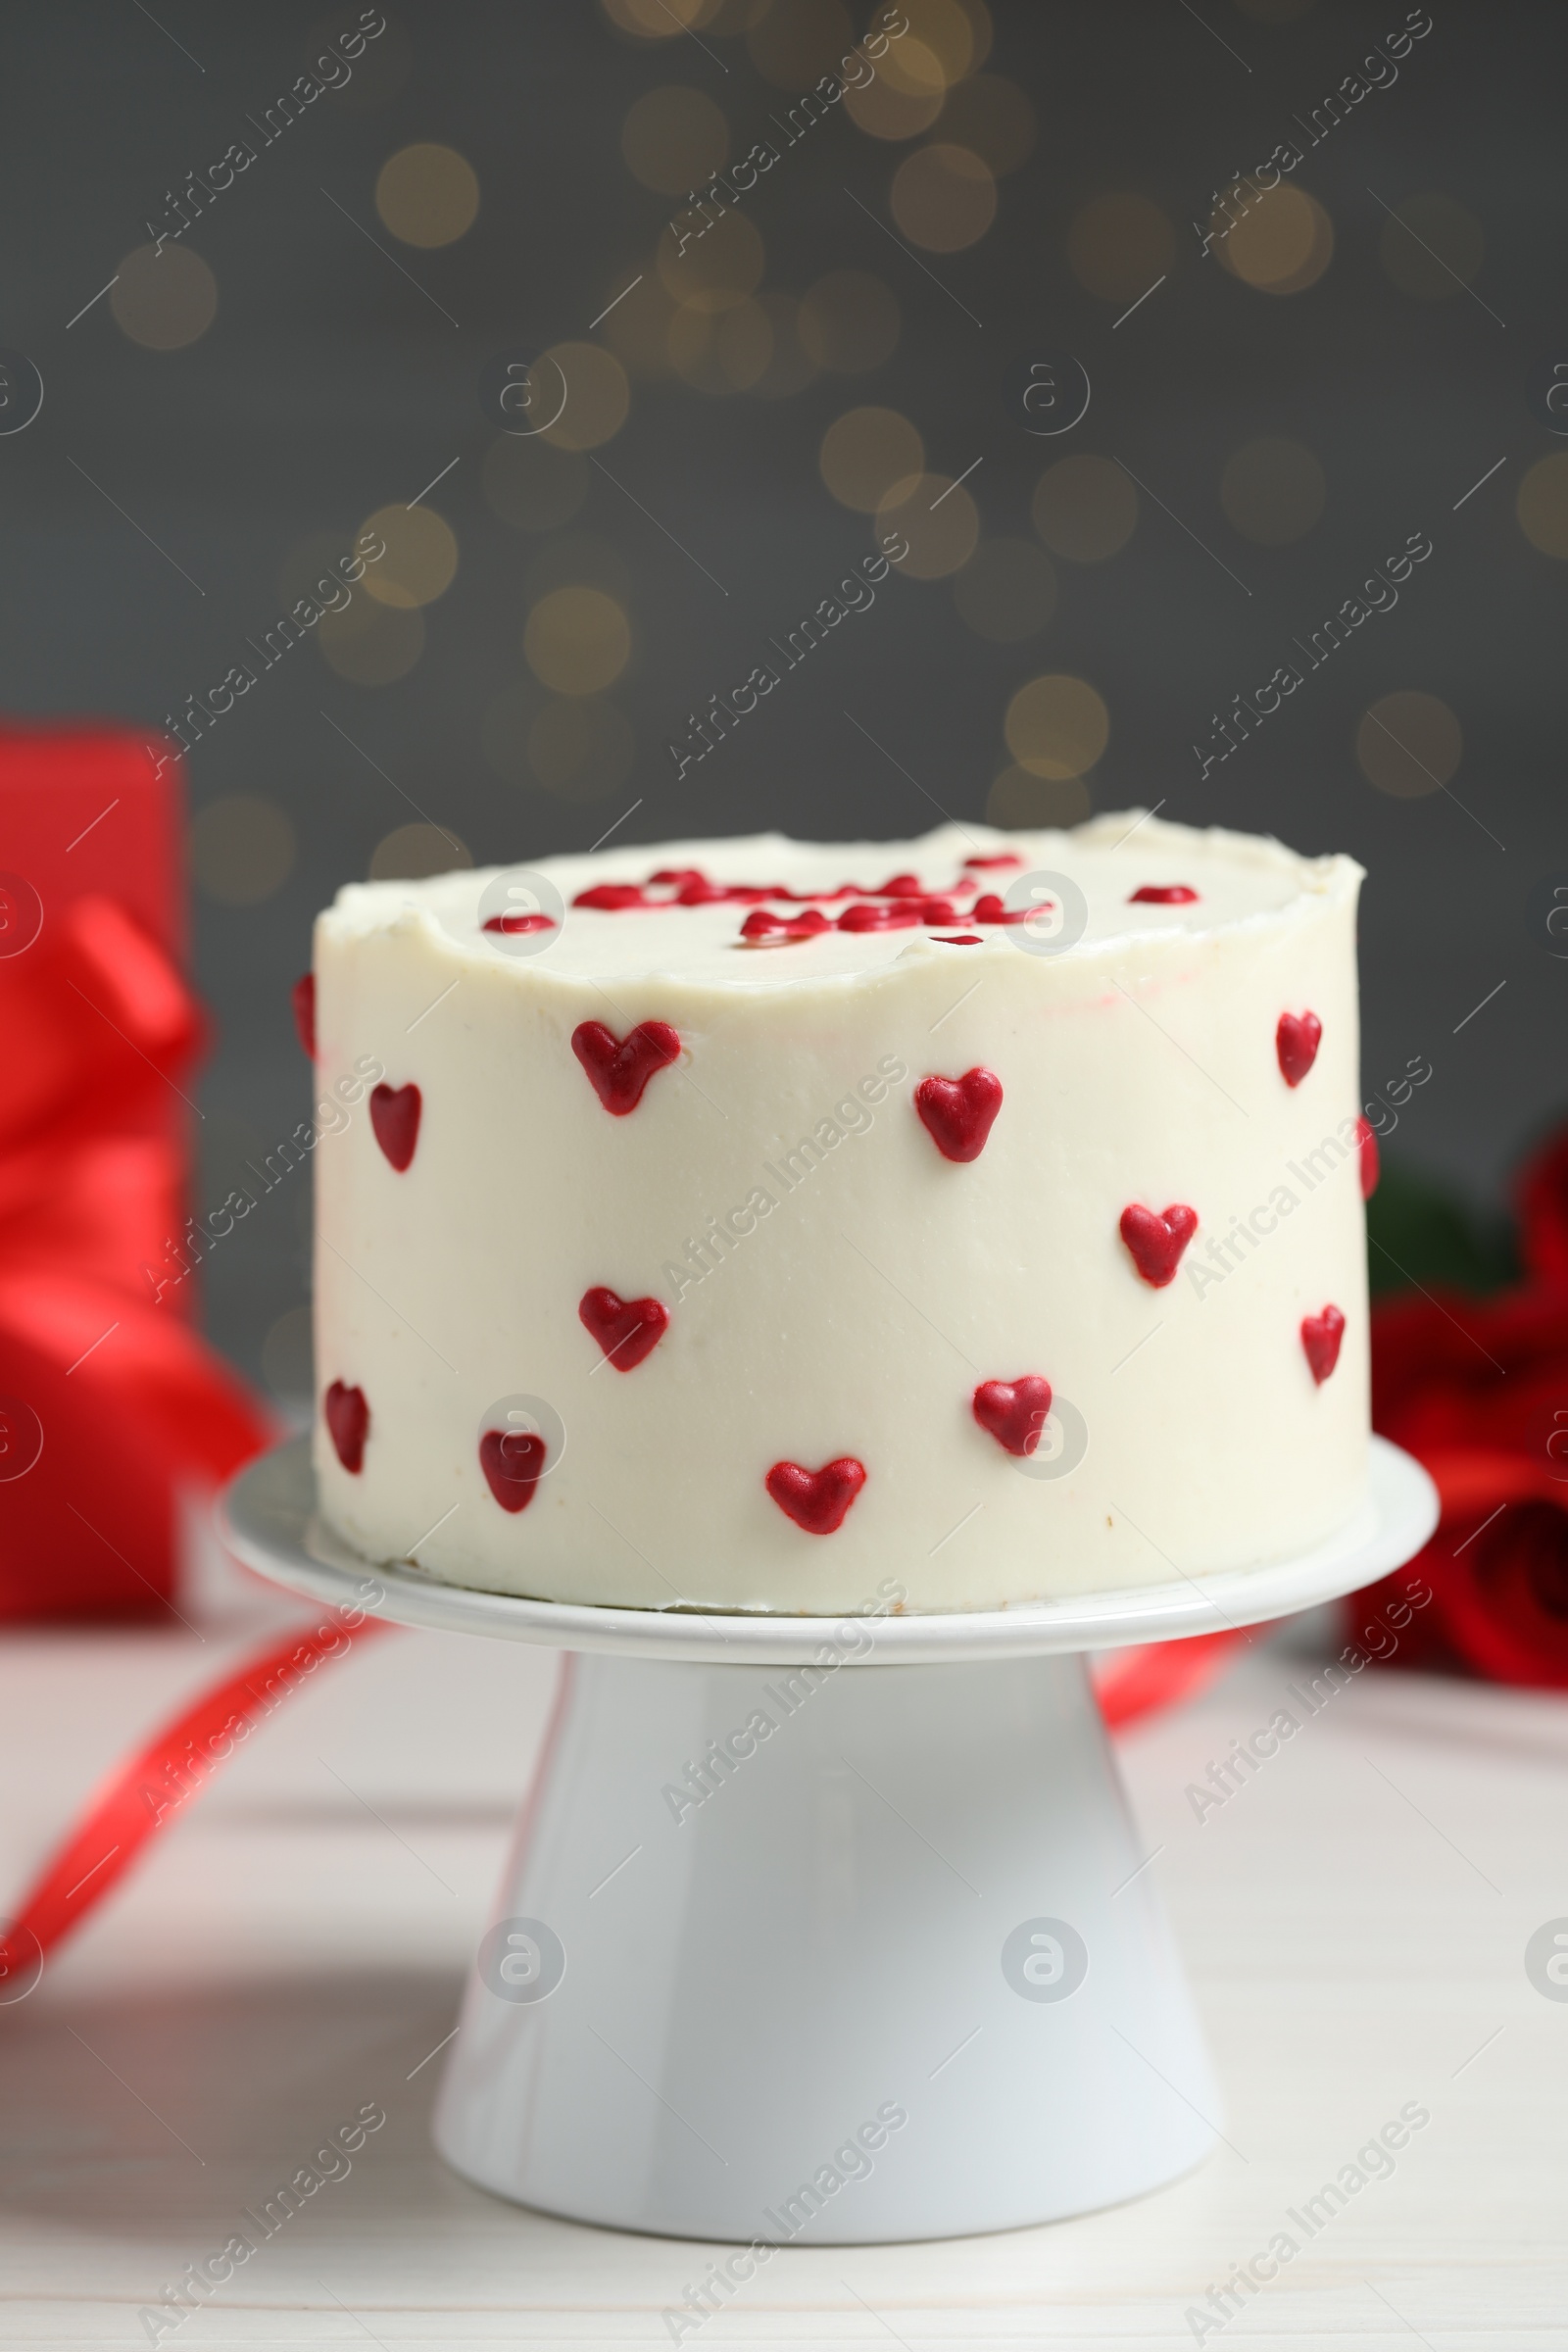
pixel 1010 213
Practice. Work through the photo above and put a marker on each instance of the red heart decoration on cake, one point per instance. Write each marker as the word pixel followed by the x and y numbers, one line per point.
pixel 348 1424
pixel 629 1330
pixel 1156 1242
pixel 302 995
pixel 958 1112
pixel 817 1499
pixel 395 1117
pixel 514 1462
pixel 1366 1147
pixel 1013 1410
pixel 1296 1042
pixel 620 1067
pixel 1163 894
pixel 1320 1337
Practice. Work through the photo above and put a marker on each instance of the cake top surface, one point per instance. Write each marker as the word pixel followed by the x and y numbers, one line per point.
pixel 764 911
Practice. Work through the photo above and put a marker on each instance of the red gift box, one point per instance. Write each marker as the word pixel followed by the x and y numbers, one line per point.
pixel 110 1407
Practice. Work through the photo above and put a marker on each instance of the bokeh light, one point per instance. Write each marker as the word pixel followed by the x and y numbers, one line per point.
pixel 937 517
pixel 1408 744
pixel 577 640
pixel 848 322
pixel 720 266
pixel 722 351
pixel 1056 726
pixel 942 197
pixel 1006 591
pixel 791 366
pixel 1085 509
pixel 532 485
pixel 1119 245
pixel 659 19
pixel 674 139
pixel 795 45
pixel 371 644
pixel 1022 802
pixel 1272 491
pixel 995 117
pixel 420 559
pixel 637 326
pixel 901 104
pixel 164 300
pixel 598 395
pixel 412 853
pixel 1431 247
pixel 1541 505
pixel 428 194
pixel 865 451
pixel 1281 244
pixel 242 848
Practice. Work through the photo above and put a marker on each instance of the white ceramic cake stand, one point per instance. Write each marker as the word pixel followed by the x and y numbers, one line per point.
pixel 900 1974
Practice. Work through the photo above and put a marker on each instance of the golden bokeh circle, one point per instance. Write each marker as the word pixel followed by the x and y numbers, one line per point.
pixel 371 644
pixel 1021 803
pixel 791 366
pixel 888 110
pixel 1541 505
pixel 659 20
pixel 165 300
pixel 722 351
pixel 532 485
pixel 942 197
pixel 1006 591
pixel 637 326
pixel 1408 744
pixel 412 853
pixel 1281 244
pixel 581 747
pixel 1119 245
pixel 1272 491
pixel 242 848
pixel 577 640
pixel 995 117
pixel 795 44
pixel 710 266
pixel 848 322
pixel 428 194
pixel 674 139
pixel 1431 247
pixel 420 559
pixel 865 451
pixel 1056 726
pixel 956 36
pixel 938 518
pixel 1085 509
pixel 598 395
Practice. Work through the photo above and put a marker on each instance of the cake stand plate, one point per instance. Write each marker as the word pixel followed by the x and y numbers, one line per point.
pixel 786 1953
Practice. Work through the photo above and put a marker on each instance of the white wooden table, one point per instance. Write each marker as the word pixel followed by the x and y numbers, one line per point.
pixel 1355 1921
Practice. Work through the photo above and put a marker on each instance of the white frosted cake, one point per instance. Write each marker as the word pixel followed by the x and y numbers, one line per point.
pixel 753 1225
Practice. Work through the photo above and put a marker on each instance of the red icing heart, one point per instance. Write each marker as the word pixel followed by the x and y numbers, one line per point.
pixel 1156 1242
pixel 980 864
pixel 763 929
pixel 347 1423
pixel 1320 1337
pixel 620 1067
pixel 613 898
pixel 629 1330
pixel 1162 894
pixel 989 908
pixel 1366 1146
pixel 1296 1042
pixel 900 916
pixel 395 1117
pixel 959 939
pixel 512 924
pixel 514 1462
pixel 817 1499
pixel 958 1112
pixel 302 995
pixel 1013 1410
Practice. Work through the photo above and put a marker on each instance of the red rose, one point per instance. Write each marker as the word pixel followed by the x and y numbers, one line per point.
pixel 1477 1388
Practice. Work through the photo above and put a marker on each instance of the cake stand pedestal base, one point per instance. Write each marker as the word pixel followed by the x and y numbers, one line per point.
pixel 822 1932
